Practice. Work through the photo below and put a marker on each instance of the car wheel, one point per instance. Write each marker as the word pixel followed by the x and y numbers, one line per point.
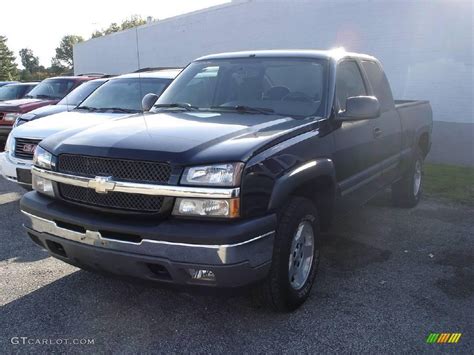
pixel 407 191
pixel 295 257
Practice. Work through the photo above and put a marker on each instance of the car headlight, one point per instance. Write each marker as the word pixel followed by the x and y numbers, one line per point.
pixel 9 144
pixel 221 175
pixel 12 116
pixel 197 207
pixel 42 158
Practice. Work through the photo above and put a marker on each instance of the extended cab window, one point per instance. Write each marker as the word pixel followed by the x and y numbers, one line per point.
pixel 379 84
pixel 286 86
pixel 349 82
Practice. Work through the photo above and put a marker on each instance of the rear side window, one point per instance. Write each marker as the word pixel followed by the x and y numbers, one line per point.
pixel 349 82
pixel 380 84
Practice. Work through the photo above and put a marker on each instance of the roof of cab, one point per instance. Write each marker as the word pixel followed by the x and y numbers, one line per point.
pixel 160 74
pixel 335 54
pixel 25 83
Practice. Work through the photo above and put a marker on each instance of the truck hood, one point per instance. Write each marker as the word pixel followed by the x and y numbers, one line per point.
pixel 180 137
pixel 45 111
pixel 47 126
pixel 24 105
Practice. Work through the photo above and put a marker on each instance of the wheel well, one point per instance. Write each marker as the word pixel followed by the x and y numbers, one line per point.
pixel 423 143
pixel 321 191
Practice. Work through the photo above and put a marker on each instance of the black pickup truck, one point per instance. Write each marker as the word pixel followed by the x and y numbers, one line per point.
pixel 233 173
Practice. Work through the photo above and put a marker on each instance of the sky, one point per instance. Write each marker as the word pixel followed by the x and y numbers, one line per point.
pixel 40 25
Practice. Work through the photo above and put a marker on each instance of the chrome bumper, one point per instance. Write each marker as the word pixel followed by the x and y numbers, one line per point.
pixel 255 250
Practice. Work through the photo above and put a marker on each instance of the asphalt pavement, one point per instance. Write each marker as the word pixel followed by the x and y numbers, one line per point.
pixel 388 278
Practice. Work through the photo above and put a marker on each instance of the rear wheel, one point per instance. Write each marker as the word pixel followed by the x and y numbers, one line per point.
pixel 295 257
pixel 407 191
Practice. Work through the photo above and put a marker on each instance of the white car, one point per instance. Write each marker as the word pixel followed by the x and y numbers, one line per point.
pixel 119 97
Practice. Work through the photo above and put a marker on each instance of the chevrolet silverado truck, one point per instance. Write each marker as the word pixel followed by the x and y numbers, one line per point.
pixel 118 97
pixel 230 178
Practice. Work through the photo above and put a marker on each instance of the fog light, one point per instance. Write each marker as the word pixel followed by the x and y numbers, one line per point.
pixel 207 207
pixel 42 185
pixel 201 274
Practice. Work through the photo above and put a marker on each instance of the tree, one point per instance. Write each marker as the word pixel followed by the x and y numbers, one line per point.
pixel 29 61
pixel 8 67
pixel 131 22
pixel 64 53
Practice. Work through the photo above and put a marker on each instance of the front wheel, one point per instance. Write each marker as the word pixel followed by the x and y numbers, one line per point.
pixel 407 191
pixel 295 257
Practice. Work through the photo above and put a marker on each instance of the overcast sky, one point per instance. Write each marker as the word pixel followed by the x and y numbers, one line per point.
pixel 40 25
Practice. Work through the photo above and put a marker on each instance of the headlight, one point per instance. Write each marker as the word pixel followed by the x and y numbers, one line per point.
pixel 226 208
pixel 42 158
pixel 9 144
pixel 42 185
pixel 213 175
pixel 11 116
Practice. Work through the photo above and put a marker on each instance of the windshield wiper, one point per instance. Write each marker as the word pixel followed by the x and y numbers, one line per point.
pixel 245 109
pixel 87 108
pixel 41 96
pixel 186 106
pixel 118 109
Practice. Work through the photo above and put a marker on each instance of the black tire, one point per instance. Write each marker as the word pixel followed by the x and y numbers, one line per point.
pixel 404 191
pixel 277 291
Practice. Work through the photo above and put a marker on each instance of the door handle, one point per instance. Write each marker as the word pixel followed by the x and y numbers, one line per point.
pixel 377 132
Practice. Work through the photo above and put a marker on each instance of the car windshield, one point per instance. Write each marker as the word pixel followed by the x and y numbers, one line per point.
pixel 289 86
pixel 76 96
pixel 9 92
pixel 52 89
pixel 123 94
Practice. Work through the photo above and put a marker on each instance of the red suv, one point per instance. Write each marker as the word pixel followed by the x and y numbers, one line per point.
pixel 48 92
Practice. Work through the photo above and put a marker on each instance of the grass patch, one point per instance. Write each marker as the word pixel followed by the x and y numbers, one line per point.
pixel 455 183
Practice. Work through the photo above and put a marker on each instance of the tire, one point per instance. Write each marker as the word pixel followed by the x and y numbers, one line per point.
pixel 279 291
pixel 407 191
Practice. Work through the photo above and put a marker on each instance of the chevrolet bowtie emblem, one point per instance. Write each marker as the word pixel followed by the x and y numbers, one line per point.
pixel 102 184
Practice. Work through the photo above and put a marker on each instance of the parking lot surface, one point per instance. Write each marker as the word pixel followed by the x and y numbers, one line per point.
pixel 388 277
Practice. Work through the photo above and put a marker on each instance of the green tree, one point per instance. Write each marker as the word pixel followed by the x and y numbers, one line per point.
pixel 64 53
pixel 8 67
pixel 29 61
pixel 131 22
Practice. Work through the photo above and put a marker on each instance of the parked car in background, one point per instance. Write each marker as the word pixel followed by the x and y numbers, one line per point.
pixel 69 102
pixel 246 158
pixel 2 83
pixel 48 92
pixel 118 97
pixel 15 91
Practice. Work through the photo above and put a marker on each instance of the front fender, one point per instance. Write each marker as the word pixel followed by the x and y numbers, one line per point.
pixel 301 175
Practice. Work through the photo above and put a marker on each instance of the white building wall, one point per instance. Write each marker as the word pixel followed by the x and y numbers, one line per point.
pixel 426 47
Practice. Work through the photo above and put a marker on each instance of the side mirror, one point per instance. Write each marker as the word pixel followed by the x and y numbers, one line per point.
pixel 148 101
pixel 360 108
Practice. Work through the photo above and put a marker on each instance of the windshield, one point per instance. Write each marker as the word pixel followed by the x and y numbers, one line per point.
pixel 10 92
pixel 52 89
pixel 288 86
pixel 76 96
pixel 123 94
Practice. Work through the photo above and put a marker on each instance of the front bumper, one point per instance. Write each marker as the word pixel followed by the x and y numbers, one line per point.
pixel 9 166
pixel 166 251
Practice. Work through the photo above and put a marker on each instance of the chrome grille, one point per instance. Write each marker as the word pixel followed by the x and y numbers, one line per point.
pixel 25 148
pixel 112 200
pixel 119 169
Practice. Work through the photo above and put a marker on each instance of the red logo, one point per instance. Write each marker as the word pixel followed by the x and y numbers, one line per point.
pixel 29 148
